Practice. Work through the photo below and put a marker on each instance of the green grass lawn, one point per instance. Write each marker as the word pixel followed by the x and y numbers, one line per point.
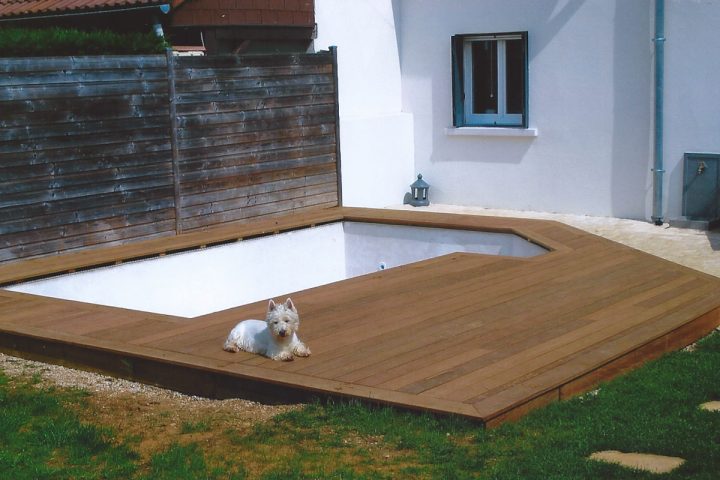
pixel 41 438
pixel 651 410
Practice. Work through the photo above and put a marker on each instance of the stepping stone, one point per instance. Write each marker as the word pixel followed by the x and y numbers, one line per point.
pixel 639 461
pixel 713 406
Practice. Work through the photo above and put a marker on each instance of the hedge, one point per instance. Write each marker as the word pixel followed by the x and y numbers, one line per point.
pixel 49 42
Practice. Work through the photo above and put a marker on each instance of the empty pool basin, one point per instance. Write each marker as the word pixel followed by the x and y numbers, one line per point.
pixel 208 280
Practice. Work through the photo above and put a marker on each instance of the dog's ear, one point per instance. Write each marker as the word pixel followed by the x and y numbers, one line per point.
pixel 271 305
pixel 289 304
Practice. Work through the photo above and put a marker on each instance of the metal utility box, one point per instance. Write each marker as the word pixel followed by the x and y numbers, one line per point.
pixel 701 186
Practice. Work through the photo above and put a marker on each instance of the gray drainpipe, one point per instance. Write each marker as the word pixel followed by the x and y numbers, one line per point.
pixel 658 168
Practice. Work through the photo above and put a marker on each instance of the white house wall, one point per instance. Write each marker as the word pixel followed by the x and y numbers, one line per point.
pixel 692 88
pixel 590 99
pixel 375 135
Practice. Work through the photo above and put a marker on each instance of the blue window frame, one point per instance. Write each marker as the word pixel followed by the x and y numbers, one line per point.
pixel 490 80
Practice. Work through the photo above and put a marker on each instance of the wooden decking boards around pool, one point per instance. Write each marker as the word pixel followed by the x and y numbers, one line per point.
pixel 485 337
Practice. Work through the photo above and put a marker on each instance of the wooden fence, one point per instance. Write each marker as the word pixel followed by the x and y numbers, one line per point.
pixel 104 150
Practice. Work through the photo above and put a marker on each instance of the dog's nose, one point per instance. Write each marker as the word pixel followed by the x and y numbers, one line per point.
pixel 282 333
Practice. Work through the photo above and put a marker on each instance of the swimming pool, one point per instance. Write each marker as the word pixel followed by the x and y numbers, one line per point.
pixel 204 281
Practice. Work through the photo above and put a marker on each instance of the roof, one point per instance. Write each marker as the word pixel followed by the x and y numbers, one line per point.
pixel 23 8
pixel 265 13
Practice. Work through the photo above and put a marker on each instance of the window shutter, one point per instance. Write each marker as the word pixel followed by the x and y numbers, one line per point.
pixel 458 94
pixel 526 112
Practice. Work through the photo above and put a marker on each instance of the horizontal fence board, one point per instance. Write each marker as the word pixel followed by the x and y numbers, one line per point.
pixel 222 188
pixel 260 103
pixel 80 108
pixel 87 208
pixel 88 155
pixel 92 63
pixel 258 136
pixel 80 140
pixel 234 61
pixel 228 161
pixel 71 153
pixel 93 128
pixel 70 76
pixel 193 74
pixel 273 114
pixel 250 93
pixel 113 177
pixel 258 125
pixel 251 211
pixel 188 177
pixel 230 175
pixel 97 215
pixel 45 211
pixel 31 171
pixel 63 231
pixel 239 187
pixel 83 89
pixel 164 225
pixel 258 195
pixel 217 86
pixel 245 148
pixel 52 247
pixel 104 108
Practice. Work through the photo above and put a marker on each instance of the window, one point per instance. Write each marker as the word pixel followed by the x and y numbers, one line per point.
pixel 490 80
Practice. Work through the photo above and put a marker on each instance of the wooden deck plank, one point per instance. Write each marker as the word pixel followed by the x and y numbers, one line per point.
pixel 83 323
pixel 603 363
pixel 506 333
pixel 541 367
pixel 593 332
pixel 127 331
pixel 509 321
pixel 479 336
pixel 29 313
pixel 451 304
pixel 506 349
pixel 613 363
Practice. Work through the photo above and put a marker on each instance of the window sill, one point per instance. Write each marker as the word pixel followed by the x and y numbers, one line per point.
pixel 490 132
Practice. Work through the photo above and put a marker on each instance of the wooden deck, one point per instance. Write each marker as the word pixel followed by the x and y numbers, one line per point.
pixel 485 337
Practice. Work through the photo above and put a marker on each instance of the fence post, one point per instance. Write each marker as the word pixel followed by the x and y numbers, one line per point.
pixel 338 164
pixel 173 138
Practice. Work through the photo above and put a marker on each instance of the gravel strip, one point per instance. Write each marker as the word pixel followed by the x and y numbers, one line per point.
pixel 50 375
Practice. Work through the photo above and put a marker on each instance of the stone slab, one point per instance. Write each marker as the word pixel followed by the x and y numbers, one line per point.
pixel 639 461
pixel 713 406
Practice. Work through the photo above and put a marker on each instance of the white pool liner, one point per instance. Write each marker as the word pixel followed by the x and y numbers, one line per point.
pixel 209 280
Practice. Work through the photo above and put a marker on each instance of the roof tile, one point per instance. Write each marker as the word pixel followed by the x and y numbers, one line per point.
pixel 13 8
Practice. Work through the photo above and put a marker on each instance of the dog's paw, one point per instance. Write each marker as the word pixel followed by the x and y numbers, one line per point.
pixel 231 347
pixel 284 357
pixel 301 350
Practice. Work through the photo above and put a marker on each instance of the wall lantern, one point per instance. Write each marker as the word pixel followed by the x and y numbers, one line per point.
pixel 418 195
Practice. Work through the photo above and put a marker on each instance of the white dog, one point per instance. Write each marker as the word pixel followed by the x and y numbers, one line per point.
pixel 276 337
